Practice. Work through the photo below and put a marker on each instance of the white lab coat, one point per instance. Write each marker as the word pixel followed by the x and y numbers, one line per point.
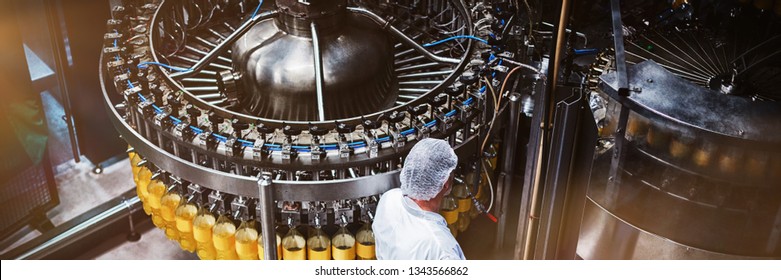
pixel 403 231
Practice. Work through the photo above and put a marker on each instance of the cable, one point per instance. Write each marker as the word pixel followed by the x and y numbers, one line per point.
pixel 497 101
pixel 177 69
pixel 490 187
pixel 454 38
pixel 257 10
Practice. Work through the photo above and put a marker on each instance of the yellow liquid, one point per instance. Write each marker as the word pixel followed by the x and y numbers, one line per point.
pixel 202 233
pixel 223 236
pixel 365 251
pixel 156 191
pixel 453 229
pixel 451 216
pixel 464 204
pixel 296 252
pixel 184 224
pixel 319 248
pixel 702 157
pixel 728 163
pixel 247 243
pixel 343 247
pixel 168 205
pixel 144 178
pixel 261 251
pixel 321 254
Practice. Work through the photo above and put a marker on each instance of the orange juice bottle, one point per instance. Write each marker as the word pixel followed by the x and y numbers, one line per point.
pixel 184 215
pixel 224 238
pixel 293 245
pixel 319 244
pixel 155 192
pixel 168 205
pixel 464 201
pixel 343 244
pixel 364 243
pixel 144 178
pixel 202 233
pixel 247 240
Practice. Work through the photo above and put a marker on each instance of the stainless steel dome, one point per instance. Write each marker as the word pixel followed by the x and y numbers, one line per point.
pixel 277 61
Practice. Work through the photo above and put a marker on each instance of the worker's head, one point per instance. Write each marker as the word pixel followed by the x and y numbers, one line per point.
pixel 428 169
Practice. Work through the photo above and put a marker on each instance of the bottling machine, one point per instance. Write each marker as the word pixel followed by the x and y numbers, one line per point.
pixel 584 129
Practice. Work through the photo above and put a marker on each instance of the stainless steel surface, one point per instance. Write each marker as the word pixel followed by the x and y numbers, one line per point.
pixel 607 237
pixel 267 212
pixel 508 166
pixel 318 72
pixel 357 66
pixel 223 45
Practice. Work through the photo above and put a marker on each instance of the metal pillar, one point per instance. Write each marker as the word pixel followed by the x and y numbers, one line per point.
pixel 265 188
pixel 503 190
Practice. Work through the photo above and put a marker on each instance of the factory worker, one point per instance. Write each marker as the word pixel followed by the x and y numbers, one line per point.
pixel 407 225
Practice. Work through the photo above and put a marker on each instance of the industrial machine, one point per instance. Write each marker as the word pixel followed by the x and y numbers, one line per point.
pixel 301 112
pixel 584 129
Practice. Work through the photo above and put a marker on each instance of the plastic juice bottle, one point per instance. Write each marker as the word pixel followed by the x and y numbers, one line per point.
pixel 168 204
pixel 202 233
pixel 184 215
pixel 364 243
pixel 144 178
pixel 343 244
pixel 156 190
pixel 461 194
pixel 319 245
pixel 224 238
pixel 449 209
pixel 247 240
pixel 293 246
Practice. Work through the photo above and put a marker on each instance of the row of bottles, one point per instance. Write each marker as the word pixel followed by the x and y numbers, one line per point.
pixel 207 229
pixel 458 207
pixel 319 246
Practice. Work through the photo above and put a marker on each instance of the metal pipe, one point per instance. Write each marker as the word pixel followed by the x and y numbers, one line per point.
pixel 403 37
pixel 89 226
pixel 510 138
pixel 546 126
pixel 318 72
pixel 266 195
pixel 214 53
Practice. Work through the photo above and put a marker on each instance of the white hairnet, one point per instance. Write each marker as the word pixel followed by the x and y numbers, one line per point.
pixel 427 168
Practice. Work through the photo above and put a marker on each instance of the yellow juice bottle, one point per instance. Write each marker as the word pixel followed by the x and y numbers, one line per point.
pixel 464 201
pixel 156 190
pixel 224 238
pixel 293 245
pixel 144 178
pixel 364 243
pixel 202 233
pixel 184 215
pixel 343 244
pixel 247 240
pixel 168 204
pixel 318 245
pixel 449 209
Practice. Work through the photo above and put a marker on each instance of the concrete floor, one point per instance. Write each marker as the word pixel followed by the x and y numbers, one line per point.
pixel 81 190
